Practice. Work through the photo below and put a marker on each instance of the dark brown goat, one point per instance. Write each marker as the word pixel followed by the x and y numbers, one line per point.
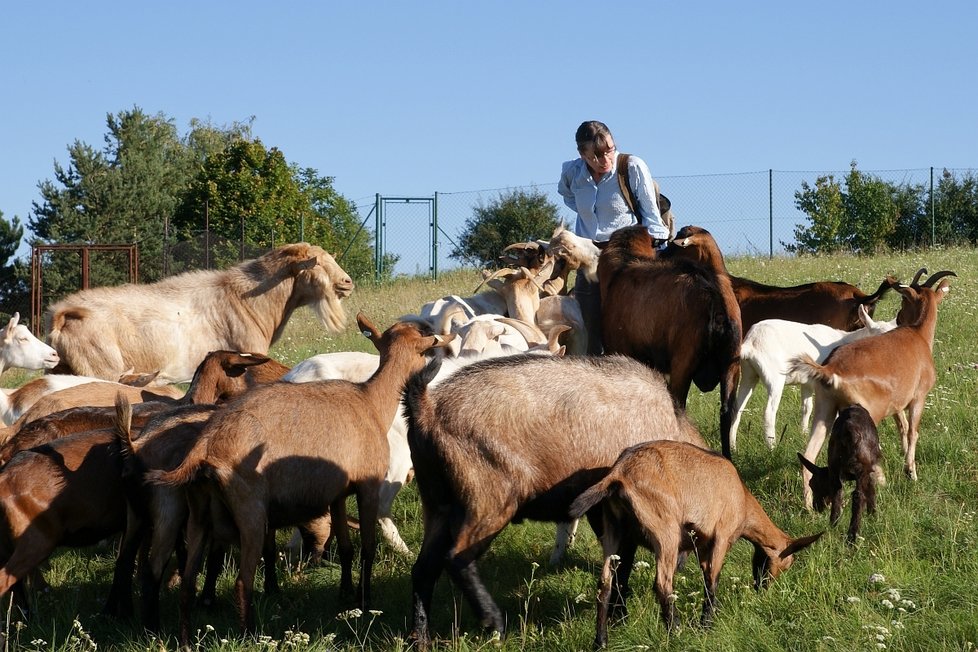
pixel 673 498
pixel 677 316
pixel 285 453
pixel 514 438
pixel 65 493
pixel 854 454
pixel 832 303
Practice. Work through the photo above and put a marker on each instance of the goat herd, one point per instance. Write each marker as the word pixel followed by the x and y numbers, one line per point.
pixel 107 445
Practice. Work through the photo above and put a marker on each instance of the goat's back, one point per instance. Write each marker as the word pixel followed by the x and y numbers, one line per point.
pixel 537 425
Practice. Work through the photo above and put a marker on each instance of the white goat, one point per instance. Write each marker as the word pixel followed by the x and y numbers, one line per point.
pixel 578 253
pixel 765 356
pixel 21 349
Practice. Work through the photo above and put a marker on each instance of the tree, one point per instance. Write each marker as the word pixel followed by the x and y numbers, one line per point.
pixel 825 208
pixel 14 290
pixel 956 208
pixel 333 223
pixel 514 217
pixel 250 198
pixel 122 194
pixel 862 218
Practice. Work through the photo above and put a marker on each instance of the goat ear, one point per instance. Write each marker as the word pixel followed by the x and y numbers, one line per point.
pixel 797 545
pixel 440 341
pixel 810 465
pixel 367 328
pixel 864 316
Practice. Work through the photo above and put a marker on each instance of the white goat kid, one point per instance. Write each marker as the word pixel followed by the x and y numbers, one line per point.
pixel 766 352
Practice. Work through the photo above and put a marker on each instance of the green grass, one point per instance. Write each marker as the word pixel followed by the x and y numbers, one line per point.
pixel 921 541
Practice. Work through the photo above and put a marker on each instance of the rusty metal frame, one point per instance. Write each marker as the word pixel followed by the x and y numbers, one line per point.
pixel 37 296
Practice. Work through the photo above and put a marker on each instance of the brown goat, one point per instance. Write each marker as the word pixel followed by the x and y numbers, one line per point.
pixel 889 374
pixel 677 316
pixel 514 438
pixel 854 454
pixel 302 449
pixel 671 498
pixel 65 493
pixel 832 303
pixel 222 375
pixel 225 374
pixel 94 394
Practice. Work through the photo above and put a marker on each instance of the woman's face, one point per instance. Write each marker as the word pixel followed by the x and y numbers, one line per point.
pixel 600 158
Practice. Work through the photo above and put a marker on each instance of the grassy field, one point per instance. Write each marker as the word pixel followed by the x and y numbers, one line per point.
pixel 908 584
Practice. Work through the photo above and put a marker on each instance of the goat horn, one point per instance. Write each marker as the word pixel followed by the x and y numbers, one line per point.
pixel 920 272
pixel 530 332
pixel 552 340
pixel 936 277
pixel 522 245
pixel 529 275
pixel 508 271
pixel 446 319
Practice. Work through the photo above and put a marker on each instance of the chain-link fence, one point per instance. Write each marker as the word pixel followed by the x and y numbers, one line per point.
pixel 749 213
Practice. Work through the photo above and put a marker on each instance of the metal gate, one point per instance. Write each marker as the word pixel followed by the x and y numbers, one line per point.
pixel 404 230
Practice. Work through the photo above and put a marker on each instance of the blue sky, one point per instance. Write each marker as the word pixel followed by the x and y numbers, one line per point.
pixel 411 98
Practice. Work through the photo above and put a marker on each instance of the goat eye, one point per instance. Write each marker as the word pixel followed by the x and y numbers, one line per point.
pixel 366 333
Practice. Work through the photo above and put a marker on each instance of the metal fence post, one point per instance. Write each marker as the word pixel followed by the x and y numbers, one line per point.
pixel 434 238
pixel 933 214
pixel 770 212
pixel 378 242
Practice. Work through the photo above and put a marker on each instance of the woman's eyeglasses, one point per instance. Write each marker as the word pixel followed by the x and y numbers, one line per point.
pixel 596 157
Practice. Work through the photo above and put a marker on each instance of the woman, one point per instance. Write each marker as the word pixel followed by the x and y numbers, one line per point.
pixel 590 187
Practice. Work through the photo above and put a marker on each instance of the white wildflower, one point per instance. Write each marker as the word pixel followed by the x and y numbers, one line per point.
pixel 642 565
pixel 893 594
pixel 877 578
pixel 886 603
pixel 852 599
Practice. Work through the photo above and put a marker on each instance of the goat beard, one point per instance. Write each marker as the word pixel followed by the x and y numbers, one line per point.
pixel 330 311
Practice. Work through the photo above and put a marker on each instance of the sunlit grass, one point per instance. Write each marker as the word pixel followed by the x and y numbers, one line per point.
pixel 908 584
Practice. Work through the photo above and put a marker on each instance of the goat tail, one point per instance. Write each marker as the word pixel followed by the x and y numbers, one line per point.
pixel 877 476
pixel 591 497
pixel 807 370
pixel 187 472
pixel 60 317
pixel 123 422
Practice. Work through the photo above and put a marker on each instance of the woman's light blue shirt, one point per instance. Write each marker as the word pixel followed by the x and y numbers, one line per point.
pixel 601 209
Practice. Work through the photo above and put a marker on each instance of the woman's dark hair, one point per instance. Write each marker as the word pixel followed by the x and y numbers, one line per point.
pixel 594 133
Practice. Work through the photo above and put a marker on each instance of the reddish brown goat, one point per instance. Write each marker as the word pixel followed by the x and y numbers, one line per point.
pixel 889 374
pixel 302 448
pixel 671 498
pixel 854 454
pixel 65 493
pixel 832 303
pixel 677 316
pixel 221 376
